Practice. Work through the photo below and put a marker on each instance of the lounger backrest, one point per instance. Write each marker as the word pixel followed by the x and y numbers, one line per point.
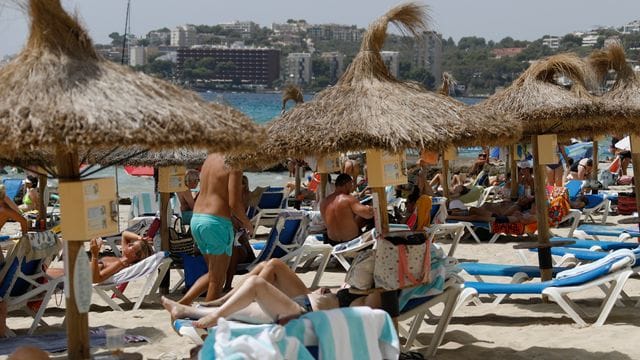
pixel 285 231
pixel 12 187
pixel 271 200
pixel 143 204
pixel 439 210
pixel 585 273
pixel 573 188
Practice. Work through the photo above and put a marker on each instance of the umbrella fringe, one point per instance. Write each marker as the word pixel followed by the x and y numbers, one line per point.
pixel 291 92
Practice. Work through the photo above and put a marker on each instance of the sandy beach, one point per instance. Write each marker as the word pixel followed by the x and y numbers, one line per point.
pixel 519 328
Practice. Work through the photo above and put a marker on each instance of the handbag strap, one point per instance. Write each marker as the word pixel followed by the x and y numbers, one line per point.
pixel 403 270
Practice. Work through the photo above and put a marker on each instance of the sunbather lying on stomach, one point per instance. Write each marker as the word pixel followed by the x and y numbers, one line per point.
pixel 342 213
pixel 134 249
pixel 271 292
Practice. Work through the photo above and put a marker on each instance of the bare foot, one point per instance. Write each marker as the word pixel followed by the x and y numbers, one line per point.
pixel 176 310
pixel 207 321
pixel 214 303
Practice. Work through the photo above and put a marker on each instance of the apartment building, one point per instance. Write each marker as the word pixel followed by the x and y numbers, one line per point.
pixel 137 56
pixel 184 36
pixel 299 68
pixel 335 32
pixel 551 41
pixel 428 53
pixel 251 66
pixel 336 64
pixel 243 27
pixel 392 61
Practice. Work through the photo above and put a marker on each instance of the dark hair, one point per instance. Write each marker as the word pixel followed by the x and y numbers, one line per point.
pixel 589 162
pixel 343 179
pixel 33 180
pixel 414 196
pixel 570 161
pixel 464 190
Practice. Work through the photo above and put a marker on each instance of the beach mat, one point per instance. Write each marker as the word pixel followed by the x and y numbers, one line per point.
pixel 57 341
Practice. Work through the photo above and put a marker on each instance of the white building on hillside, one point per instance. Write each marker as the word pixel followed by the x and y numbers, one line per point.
pixel 550 41
pixel 299 68
pixel 183 36
pixel 336 64
pixel 137 56
pixel 392 61
pixel 428 54
pixel 590 40
pixel 243 27
pixel 632 27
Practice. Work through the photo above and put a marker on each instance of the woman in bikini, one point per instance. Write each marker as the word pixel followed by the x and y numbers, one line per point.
pixel 134 249
pixel 271 292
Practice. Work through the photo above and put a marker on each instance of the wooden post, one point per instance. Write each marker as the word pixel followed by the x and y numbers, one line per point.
pixel 68 165
pixel 42 186
pixel 382 201
pixel 445 177
pixel 297 200
pixel 544 255
pixel 164 236
pixel 323 185
pixel 594 171
pixel 514 171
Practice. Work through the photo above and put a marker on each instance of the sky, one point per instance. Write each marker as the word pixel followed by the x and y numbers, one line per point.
pixel 491 19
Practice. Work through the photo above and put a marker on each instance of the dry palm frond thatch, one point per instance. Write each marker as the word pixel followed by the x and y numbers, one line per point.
pixel 544 106
pixel 291 92
pixel 622 102
pixel 58 92
pixel 447 83
pixel 369 108
pixel 140 157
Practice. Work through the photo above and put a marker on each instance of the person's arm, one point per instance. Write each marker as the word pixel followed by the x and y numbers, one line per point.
pixel 235 200
pixel 13 213
pixel 99 275
pixel 364 211
pixel 128 237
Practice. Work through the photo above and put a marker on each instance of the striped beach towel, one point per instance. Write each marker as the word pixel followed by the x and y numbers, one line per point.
pixel 349 333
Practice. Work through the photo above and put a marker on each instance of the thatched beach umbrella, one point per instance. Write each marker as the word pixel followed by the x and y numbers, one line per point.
pixel 58 93
pixel 544 107
pixel 622 102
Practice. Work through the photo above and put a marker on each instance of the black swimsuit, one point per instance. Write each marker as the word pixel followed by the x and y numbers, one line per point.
pixel 345 298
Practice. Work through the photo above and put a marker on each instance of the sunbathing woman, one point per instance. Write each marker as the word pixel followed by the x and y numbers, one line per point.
pixel 134 249
pixel 272 291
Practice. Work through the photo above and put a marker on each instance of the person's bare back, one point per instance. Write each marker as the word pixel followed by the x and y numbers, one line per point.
pixel 339 211
pixel 214 188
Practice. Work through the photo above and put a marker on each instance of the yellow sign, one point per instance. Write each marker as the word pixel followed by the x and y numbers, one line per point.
pixel 547 149
pixel 329 163
pixel 451 153
pixel 385 169
pixel 171 179
pixel 88 208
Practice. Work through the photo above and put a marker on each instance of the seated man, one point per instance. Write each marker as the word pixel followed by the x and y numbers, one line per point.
pixel 342 213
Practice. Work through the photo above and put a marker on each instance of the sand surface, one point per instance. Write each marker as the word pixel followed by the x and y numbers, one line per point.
pixel 519 328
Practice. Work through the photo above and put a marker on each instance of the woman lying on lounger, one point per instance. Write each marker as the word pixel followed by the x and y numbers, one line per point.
pixel 521 211
pixel 272 292
pixel 134 249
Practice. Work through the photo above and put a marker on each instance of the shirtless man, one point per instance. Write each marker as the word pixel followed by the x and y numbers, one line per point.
pixel 342 212
pixel 220 198
pixel 352 168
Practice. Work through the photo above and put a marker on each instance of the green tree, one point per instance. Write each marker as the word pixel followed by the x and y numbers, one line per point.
pixel 161 68
pixel 116 38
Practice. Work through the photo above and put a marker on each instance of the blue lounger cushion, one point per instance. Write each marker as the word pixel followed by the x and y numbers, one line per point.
pixel 538 287
pixel 604 245
pixel 605 230
pixel 487 269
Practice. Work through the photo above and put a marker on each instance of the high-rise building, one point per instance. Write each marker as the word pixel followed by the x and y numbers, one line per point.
pixel 392 61
pixel 336 64
pixel 137 56
pixel 247 66
pixel 299 68
pixel 428 53
pixel 184 36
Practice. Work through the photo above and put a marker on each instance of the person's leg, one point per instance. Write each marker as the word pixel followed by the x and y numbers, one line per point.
pixel 3 318
pixel 624 164
pixel 217 265
pixel 180 311
pixel 237 257
pixel 550 175
pixel 283 278
pixel 274 302
pixel 198 288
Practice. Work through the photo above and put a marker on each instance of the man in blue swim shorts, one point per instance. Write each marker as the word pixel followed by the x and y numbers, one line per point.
pixel 219 199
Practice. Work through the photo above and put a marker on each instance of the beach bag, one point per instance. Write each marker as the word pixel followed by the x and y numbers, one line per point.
pixel 626 203
pixel 180 245
pixel 402 259
pixel 360 274
pixel 625 180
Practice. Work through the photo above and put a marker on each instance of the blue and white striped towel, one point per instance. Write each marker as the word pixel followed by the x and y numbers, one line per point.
pixel 350 333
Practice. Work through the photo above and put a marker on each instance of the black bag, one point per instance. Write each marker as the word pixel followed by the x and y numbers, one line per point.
pixel 180 245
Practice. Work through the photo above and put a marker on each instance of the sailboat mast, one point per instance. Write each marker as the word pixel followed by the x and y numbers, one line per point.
pixel 126 32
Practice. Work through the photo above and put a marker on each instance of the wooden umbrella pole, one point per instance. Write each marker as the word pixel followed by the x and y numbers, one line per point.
pixel 323 185
pixel 68 165
pixel 514 172
pixel 297 188
pixel 164 236
pixel 635 159
pixel 382 203
pixel 544 254
pixel 594 171
pixel 42 187
pixel 445 177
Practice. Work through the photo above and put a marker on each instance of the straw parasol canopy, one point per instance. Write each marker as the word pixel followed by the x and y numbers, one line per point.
pixel 291 92
pixel 544 106
pixel 622 102
pixel 368 108
pixel 59 91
